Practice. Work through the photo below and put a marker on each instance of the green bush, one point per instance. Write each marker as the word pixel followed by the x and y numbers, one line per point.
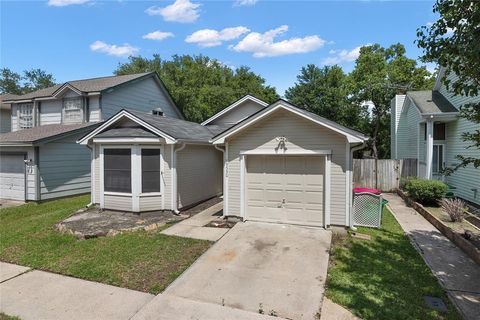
pixel 404 182
pixel 427 192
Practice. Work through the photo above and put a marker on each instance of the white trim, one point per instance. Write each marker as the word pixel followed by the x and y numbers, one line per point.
pixel 128 140
pixel 227 174
pixel 438 81
pixel 418 149
pixel 286 153
pixel 444 146
pixel 327 188
pixel 102 187
pixel 228 133
pixel 429 148
pixel 126 114
pixel 234 105
pixel 119 194
pixel 347 184
pixel 243 173
pixel 172 173
pixel 136 177
pixel 63 87
pixel 92 176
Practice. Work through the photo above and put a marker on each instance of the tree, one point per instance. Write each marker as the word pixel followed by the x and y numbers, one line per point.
pixel 379 74
pixel 453 41
pixel 31 80
pixel 201 86
pixel 324 91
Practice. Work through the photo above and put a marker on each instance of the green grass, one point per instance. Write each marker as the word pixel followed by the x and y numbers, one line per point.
pixel 384 278
pixel 4 316
pixel 145 261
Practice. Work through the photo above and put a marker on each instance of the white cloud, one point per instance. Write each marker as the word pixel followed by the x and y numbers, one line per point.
pixel 180 11
pixel 63 3
pixel 263 44
pixel 239 3
pixel 157 35
pixel 211 38
pixel 449 32
pixel 114 50
pixel 342 56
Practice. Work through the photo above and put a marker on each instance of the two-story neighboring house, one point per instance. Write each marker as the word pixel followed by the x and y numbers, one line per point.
pixel 39 158
pixel 425 125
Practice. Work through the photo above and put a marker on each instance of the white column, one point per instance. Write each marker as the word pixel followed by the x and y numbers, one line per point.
pixel 429 148
pixel 136 178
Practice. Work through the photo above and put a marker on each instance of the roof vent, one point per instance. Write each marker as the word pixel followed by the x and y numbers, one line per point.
pixel 157 112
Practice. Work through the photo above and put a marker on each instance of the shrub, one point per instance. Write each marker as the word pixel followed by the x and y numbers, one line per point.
pixel 427 192
pixel 404 182
pixel 454 208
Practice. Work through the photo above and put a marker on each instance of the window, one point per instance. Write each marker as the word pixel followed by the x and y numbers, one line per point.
pixel 117 168
pixel 150 170
pixel 438 131
pixel 25 115
pixel 72 110
pixel 437 158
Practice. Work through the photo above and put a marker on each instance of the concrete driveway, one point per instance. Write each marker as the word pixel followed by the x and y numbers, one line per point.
pixel 279 269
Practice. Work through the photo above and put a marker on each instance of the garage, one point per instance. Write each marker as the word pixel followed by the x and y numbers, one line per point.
pixel 12 177
pixel 285 189
pixel 286 165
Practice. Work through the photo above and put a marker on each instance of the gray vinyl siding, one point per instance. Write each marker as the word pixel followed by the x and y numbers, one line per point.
pixel 465 180
pixel 238 113
pixel 199 174
pixel 50 112
pixel 408 126
pixel 5 121
pixel 143 95
pixel 64 168
pixel 301 134
pixel 118 202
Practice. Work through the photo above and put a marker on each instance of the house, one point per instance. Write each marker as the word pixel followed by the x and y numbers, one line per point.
pixel 143 161
pixel 40 159
pixel 277 163
pixel 425 125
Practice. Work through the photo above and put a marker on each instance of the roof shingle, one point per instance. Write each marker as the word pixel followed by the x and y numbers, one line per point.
pixel 431 101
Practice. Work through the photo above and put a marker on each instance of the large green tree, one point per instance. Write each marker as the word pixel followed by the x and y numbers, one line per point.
pixel 201 86
pixel 379 74
pixel 453 41
pixel 28 81
pixel 325 91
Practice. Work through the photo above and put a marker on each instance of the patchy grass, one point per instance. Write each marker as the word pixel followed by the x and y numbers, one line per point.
pixel 145 261
pixel 4 316
pixel 384 278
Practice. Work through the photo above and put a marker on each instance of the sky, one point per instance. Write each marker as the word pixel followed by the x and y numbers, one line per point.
pixel 77 39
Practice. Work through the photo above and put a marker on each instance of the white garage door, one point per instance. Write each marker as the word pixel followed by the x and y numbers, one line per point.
pixel 12 177
pixel 286 189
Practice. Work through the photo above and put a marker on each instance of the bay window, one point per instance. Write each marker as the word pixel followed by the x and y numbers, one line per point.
pixel 72 111
pixel 150 170
pixel 25 115
pixel 117 167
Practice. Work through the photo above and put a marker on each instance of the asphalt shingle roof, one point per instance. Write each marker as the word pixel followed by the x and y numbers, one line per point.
pixel 39 133
pixel 86 85
pixel 431 101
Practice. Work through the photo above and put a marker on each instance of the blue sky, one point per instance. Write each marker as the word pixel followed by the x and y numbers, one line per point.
pixel 75 39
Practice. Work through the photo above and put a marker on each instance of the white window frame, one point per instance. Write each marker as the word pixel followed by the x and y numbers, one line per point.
pixel 436 171
pixel 65 102
pixel 136 175
pixel 28 108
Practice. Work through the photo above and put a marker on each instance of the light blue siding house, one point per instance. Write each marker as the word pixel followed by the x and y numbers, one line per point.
pixel 40 159
pixel 426 126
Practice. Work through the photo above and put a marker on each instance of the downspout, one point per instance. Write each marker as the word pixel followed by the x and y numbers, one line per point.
pixel 175 179
pixel 350 191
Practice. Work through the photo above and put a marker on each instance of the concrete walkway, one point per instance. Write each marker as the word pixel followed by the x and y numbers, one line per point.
pixel 457 273
pixel 9 271
pixel 194 227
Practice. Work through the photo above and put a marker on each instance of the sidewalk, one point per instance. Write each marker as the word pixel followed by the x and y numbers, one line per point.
pixel 456 272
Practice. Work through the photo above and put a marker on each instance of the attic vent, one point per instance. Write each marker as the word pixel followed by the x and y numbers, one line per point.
pixel 157 112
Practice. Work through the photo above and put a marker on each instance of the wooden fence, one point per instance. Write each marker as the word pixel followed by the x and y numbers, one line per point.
pixel 384 174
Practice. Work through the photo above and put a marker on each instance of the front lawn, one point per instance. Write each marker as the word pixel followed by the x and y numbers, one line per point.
pixel 145 261
pixel 383 278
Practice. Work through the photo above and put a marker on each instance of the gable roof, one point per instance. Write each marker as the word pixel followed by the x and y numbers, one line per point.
pixel 431 102
pixel 233 106
pixel 172 129
pixel 40 134
pixel 352 135
pixel 84 86
pixel 4 97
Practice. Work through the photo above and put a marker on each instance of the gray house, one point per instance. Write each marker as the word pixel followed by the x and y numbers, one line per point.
pixel 425 125
pixel 40 159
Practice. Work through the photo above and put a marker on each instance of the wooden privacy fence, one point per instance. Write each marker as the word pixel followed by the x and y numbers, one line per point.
pixel 383 174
